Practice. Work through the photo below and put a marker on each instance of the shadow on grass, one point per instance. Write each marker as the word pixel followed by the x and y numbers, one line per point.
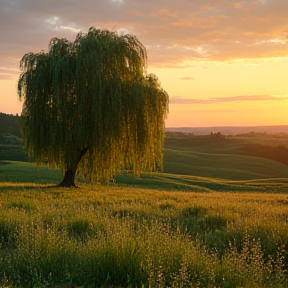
pixel 3 162
pixel 28 173
pixel 12 186
pixel 156 182
pixel 186 183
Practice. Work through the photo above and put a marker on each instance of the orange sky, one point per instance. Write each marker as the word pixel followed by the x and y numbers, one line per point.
pixel 222 62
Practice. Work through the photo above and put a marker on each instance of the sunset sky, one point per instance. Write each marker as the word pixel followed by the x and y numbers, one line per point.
pixel 222 62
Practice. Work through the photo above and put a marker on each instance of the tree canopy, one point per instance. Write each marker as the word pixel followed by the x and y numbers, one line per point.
pixel 91 102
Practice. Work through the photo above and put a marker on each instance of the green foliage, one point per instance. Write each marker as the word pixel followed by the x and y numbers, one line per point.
pixel 9 125
pixel 11 146
pixel 13 152
pixel 11 139
pixel 8 233
pixel 79 229
pixel 93 96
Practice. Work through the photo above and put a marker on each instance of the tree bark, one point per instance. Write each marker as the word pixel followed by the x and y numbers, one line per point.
pixel 70 173
pixel 68 179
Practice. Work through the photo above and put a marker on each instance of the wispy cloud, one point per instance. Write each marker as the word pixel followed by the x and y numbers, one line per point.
pixel 181 100
pixel 185 78
pixel 7 73
pixel 173 31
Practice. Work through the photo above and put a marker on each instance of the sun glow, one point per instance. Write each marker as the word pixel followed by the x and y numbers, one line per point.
pixel 201 51
pixel 225 82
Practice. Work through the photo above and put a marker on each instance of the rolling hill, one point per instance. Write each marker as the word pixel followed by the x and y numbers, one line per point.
pixel 255 161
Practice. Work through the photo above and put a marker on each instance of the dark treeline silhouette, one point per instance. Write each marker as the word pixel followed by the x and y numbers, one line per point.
pixel 9 125
pixel 11 146
pixel 217 136
pixel 10 134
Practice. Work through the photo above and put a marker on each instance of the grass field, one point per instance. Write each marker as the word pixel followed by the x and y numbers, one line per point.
pixel 24 172
pixel 133 237
pixel 215 218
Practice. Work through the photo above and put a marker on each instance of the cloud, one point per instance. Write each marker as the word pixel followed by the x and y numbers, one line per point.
pixel 185 78
pixel 7 73
pixel 180 100
pixel 174 32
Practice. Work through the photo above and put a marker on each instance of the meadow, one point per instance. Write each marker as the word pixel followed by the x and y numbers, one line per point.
pixel 218 220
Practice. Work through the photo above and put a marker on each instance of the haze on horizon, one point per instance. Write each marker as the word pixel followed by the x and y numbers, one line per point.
pixel 222 62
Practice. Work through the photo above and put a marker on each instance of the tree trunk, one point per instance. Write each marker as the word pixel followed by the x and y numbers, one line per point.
pixel 68 179
pixel 69 176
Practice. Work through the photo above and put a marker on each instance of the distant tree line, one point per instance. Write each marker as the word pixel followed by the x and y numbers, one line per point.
pixel 10 135
pixel 11 146
pixel 9 125
pixel 217 136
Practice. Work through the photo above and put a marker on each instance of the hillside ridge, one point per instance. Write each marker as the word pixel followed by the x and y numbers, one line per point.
pixel 230 130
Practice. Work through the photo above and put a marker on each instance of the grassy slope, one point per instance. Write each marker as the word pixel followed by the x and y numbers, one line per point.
pixel 225 166
pixel 194 162
pixel 219 159
pixel 21 172
pixel 190 164
pixel 24 172
pixel 74 230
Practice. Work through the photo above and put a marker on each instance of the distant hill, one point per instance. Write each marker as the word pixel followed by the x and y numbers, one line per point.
pixel 230 130
pixel 231 153
pixel 10 125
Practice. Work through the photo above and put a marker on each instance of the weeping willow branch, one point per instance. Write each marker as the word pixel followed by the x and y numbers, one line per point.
pixel 93 95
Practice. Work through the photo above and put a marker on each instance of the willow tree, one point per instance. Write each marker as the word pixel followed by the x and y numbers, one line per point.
pixel 90 105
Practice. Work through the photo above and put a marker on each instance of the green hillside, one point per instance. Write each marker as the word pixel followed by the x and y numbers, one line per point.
pixel 230 230
pixel 225 166
pixel 226 158
pixel 202 162
pixel 23 172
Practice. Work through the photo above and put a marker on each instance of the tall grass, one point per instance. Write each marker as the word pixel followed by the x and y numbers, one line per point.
pixel 127 237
